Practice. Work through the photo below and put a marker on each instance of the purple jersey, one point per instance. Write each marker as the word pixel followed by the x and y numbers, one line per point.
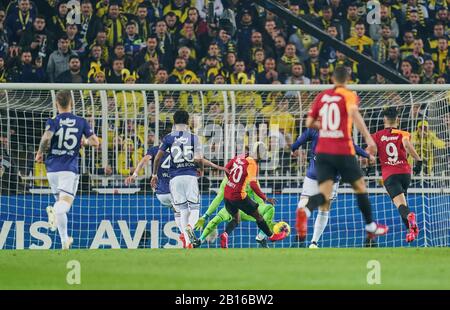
pixel 163 173
pixel 313 136
pixel 64 152
pixel 182 146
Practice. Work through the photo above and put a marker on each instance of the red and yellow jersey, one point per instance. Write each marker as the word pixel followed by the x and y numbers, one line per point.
pixel 243 170
pixel 332 108
pixel 391 152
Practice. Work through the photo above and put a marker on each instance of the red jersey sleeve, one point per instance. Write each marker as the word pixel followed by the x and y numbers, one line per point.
pixel 315 107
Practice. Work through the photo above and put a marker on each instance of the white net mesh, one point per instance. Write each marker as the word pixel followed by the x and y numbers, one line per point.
pixel 107 213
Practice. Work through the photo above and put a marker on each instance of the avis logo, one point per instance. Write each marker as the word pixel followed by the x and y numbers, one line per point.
pixel 74 12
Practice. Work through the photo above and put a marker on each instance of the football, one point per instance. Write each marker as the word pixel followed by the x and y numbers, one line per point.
pixel 280 226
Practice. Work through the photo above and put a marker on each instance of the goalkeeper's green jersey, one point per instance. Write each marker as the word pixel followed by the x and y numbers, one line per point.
pixel 220 196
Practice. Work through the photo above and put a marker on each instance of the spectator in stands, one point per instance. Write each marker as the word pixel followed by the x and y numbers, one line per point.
pixel 414 77
pixel 90 23
pixel 19 20
pixel 25 71
pixel 387 19
pixel 429 76
pixel 394 59
pixel 312 64
pixel 432 41
pixel 173 23
pixel 416 24
pixel 128 158
pixel 162 76
pixel 114 23
pixel 380 49
pixel 180 75
pixel 150 52
pixel 59 20
pixel 282 120
pixel 95 58
pixel 73 75
pixel 3 33
pixel 324 73
pixel 297 75
pixel 114 75
pixel 418 57
pixel 302 42
pixel 75 42
pixel 349 22
pixel 59 59
pixel 440 55
pixel 406 68
pixel 289 57
pixel 100 40
pixel 328 52
pixel 143 23
pixel 269 75
pixel 360 42
pixel 426 143
pixel 3 72
pixel 408 44
pixel 200 26
pixel 244 33
pixel 132 41
pixel 38 40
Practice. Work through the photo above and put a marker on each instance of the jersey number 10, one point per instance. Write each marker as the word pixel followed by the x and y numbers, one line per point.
pixel 331 117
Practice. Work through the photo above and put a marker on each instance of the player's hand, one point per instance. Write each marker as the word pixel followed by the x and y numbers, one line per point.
pixel 154 181
pixel 129 180
pixel 39 157
pixel 418 167
pixel 224 170
pixel 200 223
pixel 371 147
pixel 371 159
pixel 272 201
pixel 295 153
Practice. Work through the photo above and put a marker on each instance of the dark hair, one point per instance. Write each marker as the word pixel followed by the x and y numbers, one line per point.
pixel 181 117
pixel 390 113
pixel 74 57
pixel 340 74
pixel 64 98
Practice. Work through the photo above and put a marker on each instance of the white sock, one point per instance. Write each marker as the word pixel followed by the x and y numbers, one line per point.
pixel 261 235
pixel 61 208
pixel 178 221
pixel 184 222
pixel 194 216
pixel 371 227
pixel 302 204
pixel 319 225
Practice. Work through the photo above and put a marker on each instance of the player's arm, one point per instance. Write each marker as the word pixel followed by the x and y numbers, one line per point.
pixel 142 163
pixel 252 172
pixel 412 151
pixel 156 163
pixel 362 128
pixel 44 145
pixel 92 141
pixel 313 114
pixel 305 137
pixel 203 162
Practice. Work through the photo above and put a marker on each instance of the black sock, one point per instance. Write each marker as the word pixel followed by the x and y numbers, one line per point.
pixel 364 206
pixel 264 227
pixel 315 201
pixel 404 211
pixel 231 226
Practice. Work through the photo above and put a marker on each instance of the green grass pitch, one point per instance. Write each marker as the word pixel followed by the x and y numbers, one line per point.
pixel 401 268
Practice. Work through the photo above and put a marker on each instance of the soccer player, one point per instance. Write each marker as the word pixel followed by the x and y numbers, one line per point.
pixel 333 112
pixel 267 211
pixel 162 186
pixel 242 172
pixel 393 146
pixel 310 186
pixel 61 142
pixel 185 151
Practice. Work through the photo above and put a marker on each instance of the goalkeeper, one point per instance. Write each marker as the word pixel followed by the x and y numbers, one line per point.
pixel 266 210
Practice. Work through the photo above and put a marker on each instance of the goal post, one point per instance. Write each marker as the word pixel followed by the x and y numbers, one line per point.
pixel 131 118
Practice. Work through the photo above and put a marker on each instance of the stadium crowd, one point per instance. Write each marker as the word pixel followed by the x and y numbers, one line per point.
pixel 178 41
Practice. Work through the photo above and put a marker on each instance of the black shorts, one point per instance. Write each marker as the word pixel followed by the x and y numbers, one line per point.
pixel 329 166
pixel 247 205
pixel 397 184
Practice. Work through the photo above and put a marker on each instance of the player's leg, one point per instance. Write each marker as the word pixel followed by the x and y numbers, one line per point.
pixel 67 188
pixel 322 218
pixel 233 210
pixel 267 211
pixel 397 186
pixel 221 216
pixel 180 203
pixel 166 200
pixel 192 194
pixel 310 188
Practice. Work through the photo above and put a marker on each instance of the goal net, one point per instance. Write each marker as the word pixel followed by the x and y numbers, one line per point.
pixel 131 118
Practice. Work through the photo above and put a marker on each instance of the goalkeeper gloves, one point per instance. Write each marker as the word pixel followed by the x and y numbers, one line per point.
pixel 418 167
pixel 200 223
